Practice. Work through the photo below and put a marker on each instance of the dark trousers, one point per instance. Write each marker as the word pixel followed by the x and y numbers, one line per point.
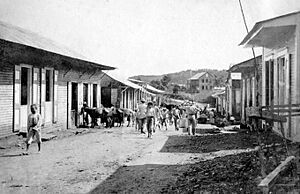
pixel 150 122
pixel 142 122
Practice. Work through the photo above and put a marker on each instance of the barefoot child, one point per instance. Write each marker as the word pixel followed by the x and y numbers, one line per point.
pixel 34 128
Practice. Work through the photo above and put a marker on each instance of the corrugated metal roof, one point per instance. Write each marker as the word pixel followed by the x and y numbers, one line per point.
pixel 197 76
pixel 19 35
pixel 258 25
pixel 153 89
pixel 123 81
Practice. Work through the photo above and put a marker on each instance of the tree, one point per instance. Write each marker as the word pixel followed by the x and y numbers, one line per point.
pixel 165 80
pixel 176 89
pixel 157 84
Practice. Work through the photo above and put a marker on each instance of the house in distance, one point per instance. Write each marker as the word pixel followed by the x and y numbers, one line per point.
pixel 201 82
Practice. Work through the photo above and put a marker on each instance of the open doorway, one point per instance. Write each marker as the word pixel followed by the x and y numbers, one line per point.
pixel 25 96
pixel 74 104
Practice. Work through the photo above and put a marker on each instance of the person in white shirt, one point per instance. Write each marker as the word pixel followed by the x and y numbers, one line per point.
pixel 34 124
pixel 191 111
pixel 141 115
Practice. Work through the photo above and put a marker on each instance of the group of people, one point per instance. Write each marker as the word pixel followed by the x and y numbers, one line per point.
pixel 150 116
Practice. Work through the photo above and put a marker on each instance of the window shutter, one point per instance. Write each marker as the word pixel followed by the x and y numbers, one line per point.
pixel 17 98
pixel 55 101
pixel 90 94
pixel 43 93
pixel 253 91
pixel 98 95
pixel 35 86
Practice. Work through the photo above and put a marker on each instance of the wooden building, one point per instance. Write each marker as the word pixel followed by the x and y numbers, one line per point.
pixel 242 87
pixel 148 92
pixel 119 92
pixel 201 82
pixel 37 70
pixel 279 38
pixel 220 97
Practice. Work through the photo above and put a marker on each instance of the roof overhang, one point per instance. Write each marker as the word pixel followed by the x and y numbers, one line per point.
pixel 269 37
pixel 16 35
pixel 153 90
pixel 125 82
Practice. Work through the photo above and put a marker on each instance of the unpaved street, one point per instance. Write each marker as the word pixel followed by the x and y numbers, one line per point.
pixel 87 162
pixel 75 164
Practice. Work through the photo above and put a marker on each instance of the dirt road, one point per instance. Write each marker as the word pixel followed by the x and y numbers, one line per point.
pixel 102 161
pixel 75 164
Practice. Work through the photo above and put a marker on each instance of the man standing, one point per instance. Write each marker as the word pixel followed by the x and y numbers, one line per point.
pixel 176 116
pixel 191 111
pixel 141 115
pixel 150 114
pixel 157 118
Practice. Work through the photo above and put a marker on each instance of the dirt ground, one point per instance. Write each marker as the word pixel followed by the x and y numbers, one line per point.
pixel 120 160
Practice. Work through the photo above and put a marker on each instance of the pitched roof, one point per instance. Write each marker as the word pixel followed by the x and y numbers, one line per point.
pixel 259 25
pixel 153 89
pixel 19 35
pixel 197 76
pixel 246 63
pixel 123 81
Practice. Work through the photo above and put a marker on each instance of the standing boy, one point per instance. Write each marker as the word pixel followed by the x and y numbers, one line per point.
pixel 34 123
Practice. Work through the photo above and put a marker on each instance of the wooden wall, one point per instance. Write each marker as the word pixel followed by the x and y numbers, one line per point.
pixel 6 98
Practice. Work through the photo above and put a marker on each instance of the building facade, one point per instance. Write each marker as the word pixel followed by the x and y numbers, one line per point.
pixel 201 82
pixel 120 93
pixel 242 87
pixel 34 70
pixel 280 41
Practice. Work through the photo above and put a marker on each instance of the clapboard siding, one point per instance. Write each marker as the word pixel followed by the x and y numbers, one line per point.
pixel 62 91
pixel 6 99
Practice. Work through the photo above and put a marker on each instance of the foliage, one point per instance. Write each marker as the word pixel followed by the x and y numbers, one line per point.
pixel 176 89
pixel 165 80
pixel 181 77
pixel 157 84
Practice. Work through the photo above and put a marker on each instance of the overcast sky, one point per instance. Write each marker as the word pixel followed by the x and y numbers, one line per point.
pixel 147 36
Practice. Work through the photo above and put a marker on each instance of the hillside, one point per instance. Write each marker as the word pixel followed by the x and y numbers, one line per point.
pixel 182 76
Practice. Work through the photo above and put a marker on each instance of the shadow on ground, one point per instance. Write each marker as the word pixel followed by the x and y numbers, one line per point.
pixel 217 142
pixel 148 178
pixel 235 173
pixel 10 155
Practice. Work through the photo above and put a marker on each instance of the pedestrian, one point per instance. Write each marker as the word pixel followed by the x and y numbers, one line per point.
pixel 212 116
pixel 150 114
pixel 110 121
pixel 176 116
pixel 85 116
pixel 157 118
pixel 136 120
pixel 129 118
pixel 170 116
pixel 164 117
pixel 141 115
pixel 34 123
pixel 191 111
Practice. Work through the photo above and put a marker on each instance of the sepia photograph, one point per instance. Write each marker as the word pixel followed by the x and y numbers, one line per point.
pixel 149 96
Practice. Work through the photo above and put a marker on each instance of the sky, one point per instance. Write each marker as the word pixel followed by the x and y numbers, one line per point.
pixel 147 37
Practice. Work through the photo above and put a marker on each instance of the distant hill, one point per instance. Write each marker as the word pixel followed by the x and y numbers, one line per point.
pixel 182 76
